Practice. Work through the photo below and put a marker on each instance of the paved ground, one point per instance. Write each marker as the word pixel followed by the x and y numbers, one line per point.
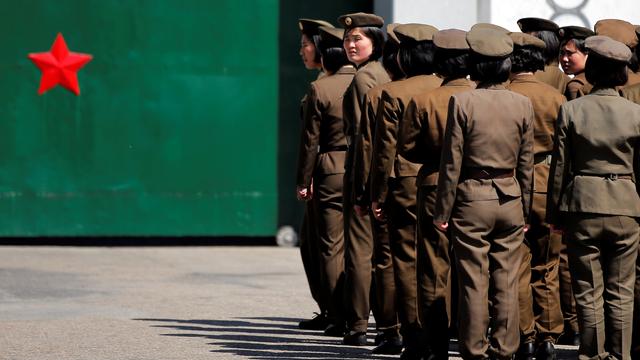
pixel 159 303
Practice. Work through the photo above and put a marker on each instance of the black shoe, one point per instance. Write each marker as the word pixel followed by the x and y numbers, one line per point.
pixel 526 351
pixel 570 338
pixel 546 351
pixel 355 339
pixel 379 338
pixel 411 353
pixel 389 346
pixel 335 330
pixel 318 322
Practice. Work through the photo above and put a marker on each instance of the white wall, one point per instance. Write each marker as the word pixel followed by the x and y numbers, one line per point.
pixel 462 14
pixel 443 14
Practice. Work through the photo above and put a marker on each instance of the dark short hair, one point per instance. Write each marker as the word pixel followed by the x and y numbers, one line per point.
pixel 416 57
pixel 604 72
pixel 552 49
pixel 334 58
pixel 389 60
pixel 377 37
pixel 490 70
pixel 579 43
pixel 526 59
pixel 452 64
pixel 634 63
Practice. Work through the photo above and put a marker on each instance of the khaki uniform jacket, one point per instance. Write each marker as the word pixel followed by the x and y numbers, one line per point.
pixel 578 87
pixel 631 93
pixel 385 160
pixel 634 78
pixel 546 102
pixel 323 128
pixel 597 135
pixel 553 76
pixel 367 76
pixel 363 158
pixel 486 128
pixel 422 129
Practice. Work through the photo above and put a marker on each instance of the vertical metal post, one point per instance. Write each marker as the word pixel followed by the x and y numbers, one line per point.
pixel 484 11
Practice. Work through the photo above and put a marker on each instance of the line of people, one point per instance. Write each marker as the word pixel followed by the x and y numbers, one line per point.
pixel 459 184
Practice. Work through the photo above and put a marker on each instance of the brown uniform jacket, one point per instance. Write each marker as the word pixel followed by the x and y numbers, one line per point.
pixel 422 128
pixel 553 76
pixel 367 76
pixel 597 135
pixel 363 158
pixel 546 102
pixel 631 93
pixel 577 87
pixel 323 128
pixel 486 128
pixel 385 160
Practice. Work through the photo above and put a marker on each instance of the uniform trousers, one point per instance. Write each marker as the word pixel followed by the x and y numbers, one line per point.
pixel 602 256
pixel 567 300
pixel 400 209
pixel 433 261
pixel 358 242
pixel 385 311
pixel 487 236
pixel 635 344
pixel 539 285
pixel 327 201
pixel 310 254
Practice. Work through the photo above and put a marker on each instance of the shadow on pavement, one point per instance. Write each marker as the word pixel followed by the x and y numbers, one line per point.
pixel 279 338
pixel 264 338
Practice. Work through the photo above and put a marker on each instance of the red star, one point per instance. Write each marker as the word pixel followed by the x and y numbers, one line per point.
pixel 59 66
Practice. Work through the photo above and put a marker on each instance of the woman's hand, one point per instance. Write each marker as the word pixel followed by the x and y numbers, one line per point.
pixel 378 211
pixel 442 225
pixel 304 193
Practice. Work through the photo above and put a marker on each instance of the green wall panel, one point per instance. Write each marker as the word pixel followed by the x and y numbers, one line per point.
pixel 175 131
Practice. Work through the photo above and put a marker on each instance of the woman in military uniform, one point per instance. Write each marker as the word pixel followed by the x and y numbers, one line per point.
pixel 363 42
pixel 593 197
pixel 420 141
pixel 573 56
pixel 321 163
pixel 310 56
pixel 484 192
pixel 541 321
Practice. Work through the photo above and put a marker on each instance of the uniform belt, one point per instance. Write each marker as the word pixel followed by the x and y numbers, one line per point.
pixel 326 149
pixel 487 173
pixel 608 176
pixel 544 158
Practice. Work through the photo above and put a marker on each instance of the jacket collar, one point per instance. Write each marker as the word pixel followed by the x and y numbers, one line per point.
pixel 604 92
pixel 347 69
pixel 457 82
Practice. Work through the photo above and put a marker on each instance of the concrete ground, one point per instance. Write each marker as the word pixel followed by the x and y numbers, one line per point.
pixel 193 303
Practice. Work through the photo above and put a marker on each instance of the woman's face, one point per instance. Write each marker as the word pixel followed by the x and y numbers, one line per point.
pixel 357 46
pixel 308 53
pixel 572 60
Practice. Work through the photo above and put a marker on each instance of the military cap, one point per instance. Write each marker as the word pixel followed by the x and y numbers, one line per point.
pixel 360 19
pixel 415 32
pixel 574 32
pixel 391 34
pixel 531 24
pixel 608 48
pixel 331 35
pixel 522 39
pixel 451 39
pixel 310 26
pixel 618 30
pixel 489 42
pixel 490 27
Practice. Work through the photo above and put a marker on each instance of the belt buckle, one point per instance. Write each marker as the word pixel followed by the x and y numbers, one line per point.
pixel 613 177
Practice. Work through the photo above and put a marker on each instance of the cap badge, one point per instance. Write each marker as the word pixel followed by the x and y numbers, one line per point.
pixel 348 21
